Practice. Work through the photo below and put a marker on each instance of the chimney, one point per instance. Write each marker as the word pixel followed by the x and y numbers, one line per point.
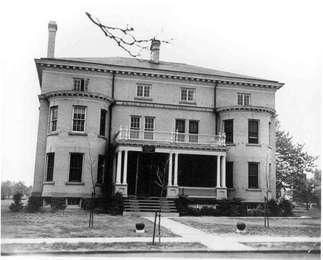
pixel 52 28
pixel 154 51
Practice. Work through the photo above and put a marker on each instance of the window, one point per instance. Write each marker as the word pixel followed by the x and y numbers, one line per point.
pixel 50 166
pixel 193 130
pixel 53 118
pixel 76 162
pixel 253 129
pixel 143 90
pixel 229 174
pixel 243 99
pixel 102 121
pixel 73 201
pixel 149 127
pixel 253 175
pixel 79 118
pixel 180 130
pixel 134 127
pixel 228 130
pixel 101 166
pixel 80 84
pixel 187 94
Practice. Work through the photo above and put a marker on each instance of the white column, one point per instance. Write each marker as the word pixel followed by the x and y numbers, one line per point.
pixel 223 172
pixel 125 167
pixel 218 172
pixel 176 169
pixel 119 168
pixel 170 169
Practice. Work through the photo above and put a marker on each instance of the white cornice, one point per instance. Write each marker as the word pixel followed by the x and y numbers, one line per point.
pixel 158 74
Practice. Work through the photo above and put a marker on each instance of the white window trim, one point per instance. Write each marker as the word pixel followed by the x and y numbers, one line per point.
pixel 244 98
pixel 50 118
pixel 187 90
pixel 144 86
pixel 153 123
pixel 85 119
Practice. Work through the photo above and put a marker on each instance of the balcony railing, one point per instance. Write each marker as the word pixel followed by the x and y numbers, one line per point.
pixel 169 137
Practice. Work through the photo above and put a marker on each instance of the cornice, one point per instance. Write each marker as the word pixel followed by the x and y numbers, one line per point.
pixel 71 93
pixel 149 73
pixel 183 146
pixel 165 106
pixel 247 109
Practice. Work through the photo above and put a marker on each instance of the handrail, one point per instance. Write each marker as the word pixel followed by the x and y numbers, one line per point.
pixel 164 136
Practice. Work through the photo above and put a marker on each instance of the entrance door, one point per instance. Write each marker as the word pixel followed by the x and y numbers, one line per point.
pixel 147 174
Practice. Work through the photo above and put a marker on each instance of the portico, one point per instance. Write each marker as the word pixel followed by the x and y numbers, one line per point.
pixel 135 158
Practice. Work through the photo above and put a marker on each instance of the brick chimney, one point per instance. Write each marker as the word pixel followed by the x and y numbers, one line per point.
pixel 154 51
pixel 52 28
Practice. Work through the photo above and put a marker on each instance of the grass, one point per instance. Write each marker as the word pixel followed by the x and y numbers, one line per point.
pixel 284 245
pixel 71 223
pixel 133 246
pixel 255 226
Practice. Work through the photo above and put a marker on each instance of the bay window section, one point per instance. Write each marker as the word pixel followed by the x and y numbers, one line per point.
pixel 79 114
pixel 53 118
pixel 253 131
pixel 253 168
pixel 76 163
pixel 228 130
pixel 50 166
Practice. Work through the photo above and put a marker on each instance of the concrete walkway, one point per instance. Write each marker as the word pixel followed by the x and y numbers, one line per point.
pixel 194 235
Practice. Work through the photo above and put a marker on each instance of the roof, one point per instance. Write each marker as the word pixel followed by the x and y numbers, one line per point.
pixel 162 65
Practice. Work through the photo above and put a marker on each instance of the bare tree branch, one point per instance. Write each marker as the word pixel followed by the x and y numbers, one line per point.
pixel 124 37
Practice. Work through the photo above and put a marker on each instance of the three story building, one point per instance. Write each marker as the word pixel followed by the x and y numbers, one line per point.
pixel 152 128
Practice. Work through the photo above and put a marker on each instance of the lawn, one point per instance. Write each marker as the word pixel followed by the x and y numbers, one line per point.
pixel 71 223
pixel 255 226
pixel 133 246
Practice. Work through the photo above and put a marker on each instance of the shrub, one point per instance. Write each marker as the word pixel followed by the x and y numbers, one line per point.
pixel 116 205
pixel 241 226
pixel 17 204
pixel 140 226
pixel 34 204
pixel 58 204
pixel 286 207
pixel 273 208
pixel 227 207
pixel 112 205
pixel 256 212
pixel 89 204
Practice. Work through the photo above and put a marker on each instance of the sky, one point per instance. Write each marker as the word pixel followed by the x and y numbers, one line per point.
pixel 278 40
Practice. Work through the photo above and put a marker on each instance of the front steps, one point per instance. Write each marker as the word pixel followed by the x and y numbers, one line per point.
pixel 147 206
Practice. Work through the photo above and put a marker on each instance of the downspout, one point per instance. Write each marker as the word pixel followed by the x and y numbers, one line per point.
pixel 110 107
pixel 215 112
pixel 109 146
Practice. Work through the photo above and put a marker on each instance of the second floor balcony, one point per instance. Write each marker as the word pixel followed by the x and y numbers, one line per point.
pixel 127 134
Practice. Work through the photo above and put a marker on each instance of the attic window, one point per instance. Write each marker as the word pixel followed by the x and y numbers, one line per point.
pixel 187 94
pixel 80 84
pixel 143 90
